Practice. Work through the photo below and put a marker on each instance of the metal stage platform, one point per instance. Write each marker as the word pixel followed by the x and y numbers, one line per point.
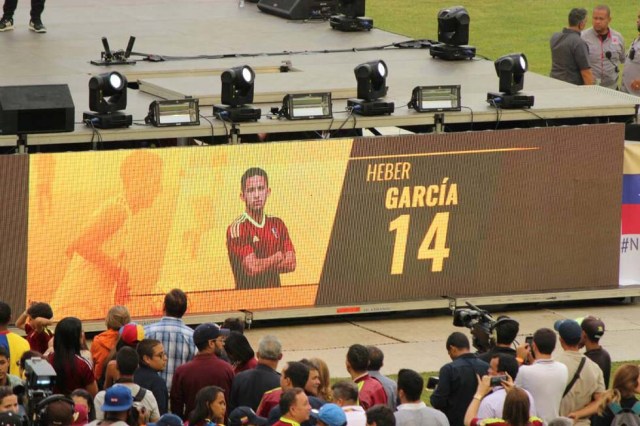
pixel 320 60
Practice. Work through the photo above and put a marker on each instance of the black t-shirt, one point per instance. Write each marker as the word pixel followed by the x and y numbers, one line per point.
pixel 602 358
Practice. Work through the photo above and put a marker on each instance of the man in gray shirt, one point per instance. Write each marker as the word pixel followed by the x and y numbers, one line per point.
pixel 570 53
pixel 376 361
pixel 606 48
pixel 412 411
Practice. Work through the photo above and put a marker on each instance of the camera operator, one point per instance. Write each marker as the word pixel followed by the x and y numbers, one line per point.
pixel 503 333
pixel 544 378
pixel 56 410
pixel 501 368
pixel 458 379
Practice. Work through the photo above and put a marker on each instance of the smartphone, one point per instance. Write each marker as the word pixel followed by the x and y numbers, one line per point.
pixel 529 340
pixel 497 380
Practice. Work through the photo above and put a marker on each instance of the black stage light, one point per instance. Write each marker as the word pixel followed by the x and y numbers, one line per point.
pixel 180 112
pixel 237 92
pixel 510 69
pixel 372 85
pixel 351 17
pixel 436 98
pixel 308 106
pixel 453 35
pixel 107 98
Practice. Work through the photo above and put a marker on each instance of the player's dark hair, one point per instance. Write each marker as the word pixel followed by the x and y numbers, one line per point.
pixel 5 313
pixel 381 415
pixel 127 361
pixel 4 352
pixel 545 340
pixel 457 340
pixel 411 384
pixel 145 348
pixel 345 390
pixel 376 358
pixel 288 398
pixel 40 310
pixel 175 303
pixel 576 16
pixel 251 172
pixel 508 364
pixel 358 357
pixel 298 373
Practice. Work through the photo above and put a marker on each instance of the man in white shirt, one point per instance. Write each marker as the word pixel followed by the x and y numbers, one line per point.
pixel 412 411
pixel 492 404
pixel 544 378
pixel 345 395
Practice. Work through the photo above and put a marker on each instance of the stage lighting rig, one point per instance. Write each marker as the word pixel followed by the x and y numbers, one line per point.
pixel 511 69
pixel 453 35
pixel 237 92
pixel 372 85
pixel 119 57
pixel 107 99
pixel 351 17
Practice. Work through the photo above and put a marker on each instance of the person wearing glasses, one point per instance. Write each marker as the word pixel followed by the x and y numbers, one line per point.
pixel 153 360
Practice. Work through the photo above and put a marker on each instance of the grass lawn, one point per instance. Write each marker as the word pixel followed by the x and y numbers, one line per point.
pixel 499 27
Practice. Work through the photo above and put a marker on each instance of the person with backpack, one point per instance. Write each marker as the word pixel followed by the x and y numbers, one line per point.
pixel 619 405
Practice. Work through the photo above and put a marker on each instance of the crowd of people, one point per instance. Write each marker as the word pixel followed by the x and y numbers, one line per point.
pixel 167 373
pixel 595 55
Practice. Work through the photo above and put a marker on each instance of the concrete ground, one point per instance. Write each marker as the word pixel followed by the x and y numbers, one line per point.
pixel 419 342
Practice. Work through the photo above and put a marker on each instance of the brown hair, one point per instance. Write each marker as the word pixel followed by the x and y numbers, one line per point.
pixel 624 385
pixel 324 391
pixel 516 407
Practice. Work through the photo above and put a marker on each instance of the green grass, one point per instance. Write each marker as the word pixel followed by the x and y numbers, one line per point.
pixel 499 27
pixel 427 393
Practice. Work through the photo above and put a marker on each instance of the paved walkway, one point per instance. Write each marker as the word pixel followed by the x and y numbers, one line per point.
pixel 419 343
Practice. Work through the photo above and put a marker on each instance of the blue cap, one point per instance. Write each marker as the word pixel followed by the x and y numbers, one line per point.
pixel 167 420
pixel 117 398
pixel 330 415
pixel 569 331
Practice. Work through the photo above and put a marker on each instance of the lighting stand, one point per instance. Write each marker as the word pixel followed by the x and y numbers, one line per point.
pixel 450 52
pixel 504 101
pixel 348 24
pixel 119 57
pixel 114 120
pixel 370 108
pixel 237 114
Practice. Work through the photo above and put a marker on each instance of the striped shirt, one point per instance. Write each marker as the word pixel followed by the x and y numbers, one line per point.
pixel 177 339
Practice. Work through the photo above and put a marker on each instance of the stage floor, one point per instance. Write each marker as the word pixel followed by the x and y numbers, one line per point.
pixel 321 59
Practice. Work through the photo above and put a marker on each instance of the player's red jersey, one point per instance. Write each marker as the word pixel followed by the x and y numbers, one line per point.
pixel 245 236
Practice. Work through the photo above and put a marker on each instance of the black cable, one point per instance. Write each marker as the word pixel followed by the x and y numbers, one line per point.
pixel 470 110
pixel 546 123
pixel 224 122
pixel 210 123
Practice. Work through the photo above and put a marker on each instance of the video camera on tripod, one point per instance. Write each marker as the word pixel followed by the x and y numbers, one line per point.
pixel 479 321
pixel 40 379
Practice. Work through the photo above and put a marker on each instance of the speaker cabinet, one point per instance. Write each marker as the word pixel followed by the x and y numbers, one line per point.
pixel 299 9
pixel 36 109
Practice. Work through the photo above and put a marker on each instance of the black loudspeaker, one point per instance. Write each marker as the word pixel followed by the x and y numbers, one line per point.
pixel 299 9
pixel 36 109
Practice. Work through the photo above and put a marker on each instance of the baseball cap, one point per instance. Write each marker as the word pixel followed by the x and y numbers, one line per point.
pixel 167 420
pixel 117 398
pixel 569 330
pixel 593 327
pixel 208 331
pixel 9 418
pixel 131 333
pixel 241 416
pixel 330 414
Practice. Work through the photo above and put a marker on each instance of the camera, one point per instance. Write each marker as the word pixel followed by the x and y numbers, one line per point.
pixel 40 379
pixel 497 380
pixel 479 322
pixel 432 382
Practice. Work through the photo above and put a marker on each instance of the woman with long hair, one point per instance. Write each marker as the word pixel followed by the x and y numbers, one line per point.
pixel 210 408
pixel 622 394
pixel 72 370
pixel 240 352
pixel 514 413
pixel 324 391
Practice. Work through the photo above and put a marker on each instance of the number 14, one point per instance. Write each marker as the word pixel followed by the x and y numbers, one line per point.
pixel 436 236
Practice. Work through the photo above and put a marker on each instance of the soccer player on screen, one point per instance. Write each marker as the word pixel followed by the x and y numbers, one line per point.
pixel 259 245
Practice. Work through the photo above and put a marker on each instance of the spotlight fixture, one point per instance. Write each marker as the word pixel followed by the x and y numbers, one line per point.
pixel 510 69
pixel 309 106
pixel 351 17
pixel 372 85
pixel 436 98
pixel 453 35
pixel 237 92
pixel 107 98
pixel 181 112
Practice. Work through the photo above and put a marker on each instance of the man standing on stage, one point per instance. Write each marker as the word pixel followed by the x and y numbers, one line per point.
pixel 259 245
pixel 35 24
pixel 606 48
